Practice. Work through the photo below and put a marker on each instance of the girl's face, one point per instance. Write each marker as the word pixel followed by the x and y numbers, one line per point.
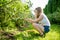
pixel 36 13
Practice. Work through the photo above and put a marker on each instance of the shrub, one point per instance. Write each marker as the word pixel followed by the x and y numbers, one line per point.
pixel 54 17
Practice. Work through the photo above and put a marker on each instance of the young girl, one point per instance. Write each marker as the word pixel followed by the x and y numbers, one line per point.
pixel 41 22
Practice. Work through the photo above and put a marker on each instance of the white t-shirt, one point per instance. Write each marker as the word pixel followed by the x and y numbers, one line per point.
pixel 45 20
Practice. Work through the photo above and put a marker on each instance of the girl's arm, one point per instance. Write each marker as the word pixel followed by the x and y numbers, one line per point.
pixel 36 20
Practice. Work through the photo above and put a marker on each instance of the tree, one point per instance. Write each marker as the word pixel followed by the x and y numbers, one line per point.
pixel 52 11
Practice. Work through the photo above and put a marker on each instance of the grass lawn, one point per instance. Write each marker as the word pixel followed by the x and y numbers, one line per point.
pixel 31 34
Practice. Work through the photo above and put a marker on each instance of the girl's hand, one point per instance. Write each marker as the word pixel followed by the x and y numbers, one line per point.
pixel 28 19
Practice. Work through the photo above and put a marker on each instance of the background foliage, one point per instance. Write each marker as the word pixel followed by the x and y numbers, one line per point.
pixel 13 12
pixel 53 11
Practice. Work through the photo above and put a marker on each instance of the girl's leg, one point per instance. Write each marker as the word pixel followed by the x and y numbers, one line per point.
pixel 39 28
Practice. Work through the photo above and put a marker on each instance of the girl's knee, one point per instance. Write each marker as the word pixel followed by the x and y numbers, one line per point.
pixel 35 24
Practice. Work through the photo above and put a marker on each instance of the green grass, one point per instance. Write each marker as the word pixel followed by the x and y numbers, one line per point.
pixel 54 34
pixel 31 34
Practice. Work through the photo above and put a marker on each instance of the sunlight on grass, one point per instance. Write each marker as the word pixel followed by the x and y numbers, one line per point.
pixel 34 35
pixel 31 36
pixel 52 36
